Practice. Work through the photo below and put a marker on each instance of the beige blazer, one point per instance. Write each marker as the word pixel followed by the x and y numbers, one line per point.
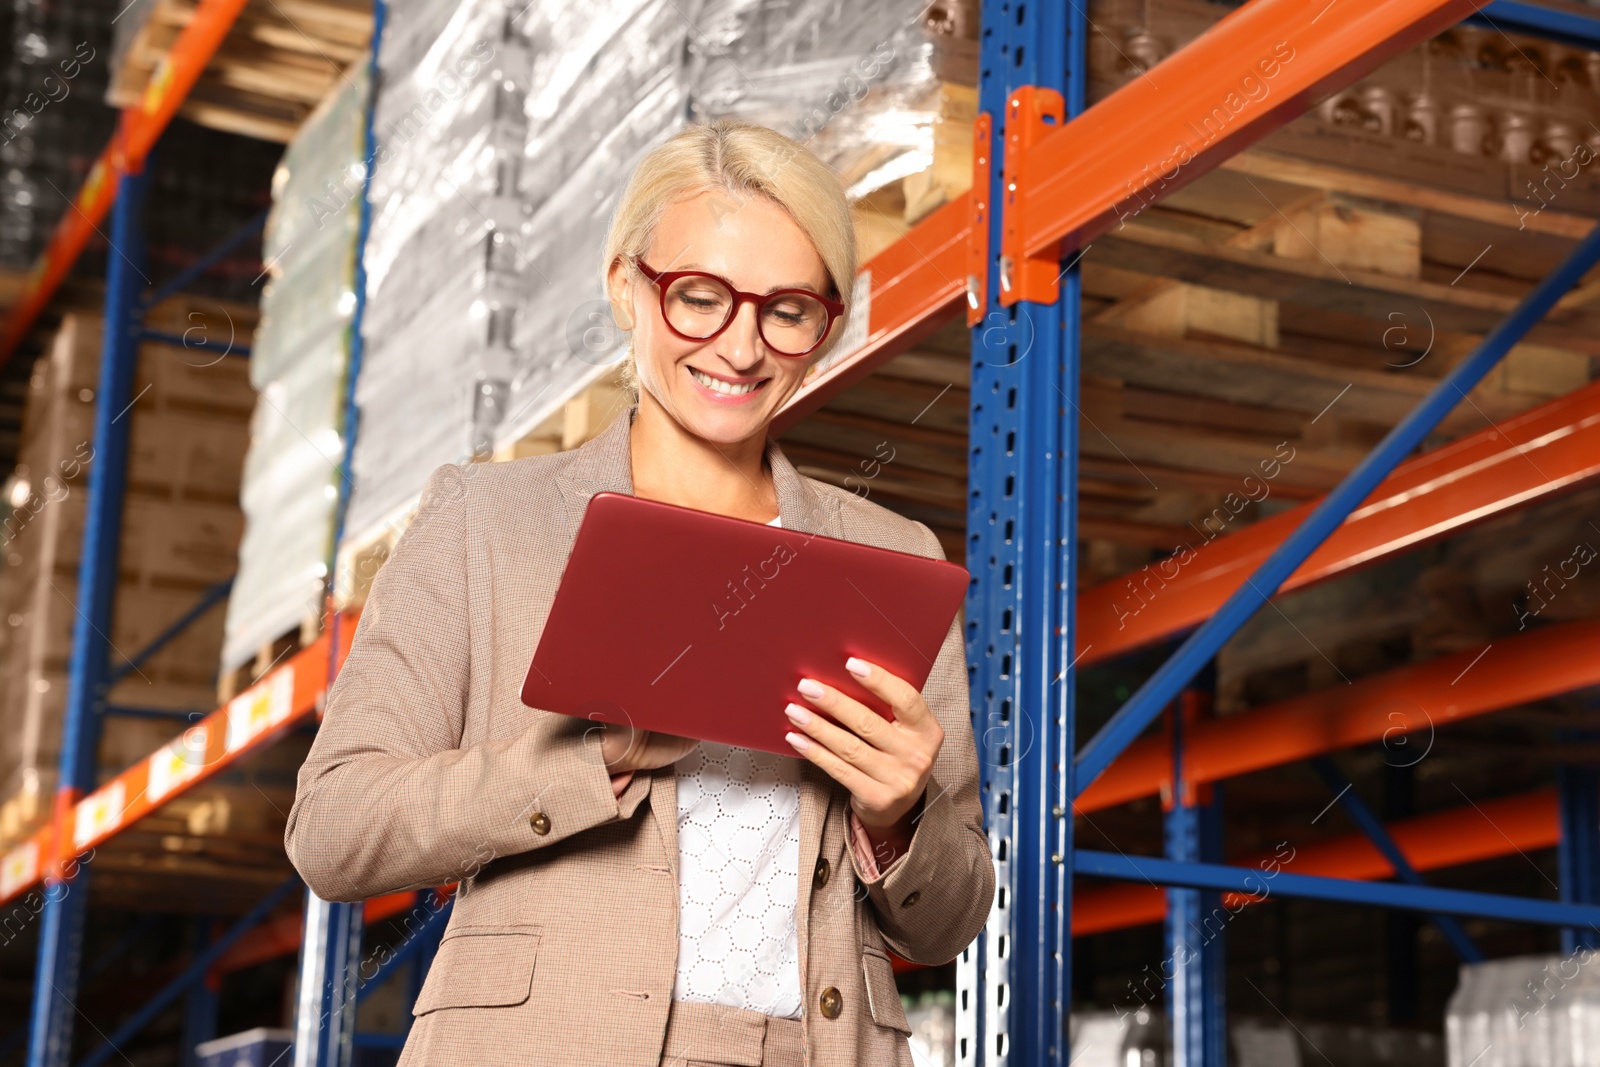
pixel 562 947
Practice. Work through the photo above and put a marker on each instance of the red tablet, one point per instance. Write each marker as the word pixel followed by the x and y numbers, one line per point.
pixel 690 623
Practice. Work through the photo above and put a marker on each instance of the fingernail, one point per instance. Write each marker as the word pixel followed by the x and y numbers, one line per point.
pixel 795 712
pixel 857 667
pixel 798 741
pixel 810 688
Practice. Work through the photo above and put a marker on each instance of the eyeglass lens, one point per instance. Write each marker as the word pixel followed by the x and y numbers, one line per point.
pixel 790 323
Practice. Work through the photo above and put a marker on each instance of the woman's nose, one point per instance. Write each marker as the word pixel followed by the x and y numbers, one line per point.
pixel 740 344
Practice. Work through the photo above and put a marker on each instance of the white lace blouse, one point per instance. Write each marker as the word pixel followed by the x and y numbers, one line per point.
pixel 738 879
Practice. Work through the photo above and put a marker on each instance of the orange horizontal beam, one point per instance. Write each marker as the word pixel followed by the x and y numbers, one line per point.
pixel 1402 707
pixel 249 722
pixel 1468 834
pixel 1544 451
pixel 137 132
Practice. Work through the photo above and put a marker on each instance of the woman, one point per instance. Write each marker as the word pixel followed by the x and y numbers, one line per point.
pixel 743 917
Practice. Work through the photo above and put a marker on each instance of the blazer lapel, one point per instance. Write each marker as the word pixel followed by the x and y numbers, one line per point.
pixel 605 464
pixel 602 464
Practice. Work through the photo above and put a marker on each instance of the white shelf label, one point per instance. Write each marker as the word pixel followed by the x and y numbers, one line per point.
pixel 260 708
pixel 98 812
pixel 20 867
pixel 178 762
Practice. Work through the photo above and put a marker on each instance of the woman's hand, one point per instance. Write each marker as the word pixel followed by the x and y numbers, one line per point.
pixel 885 765
pixel 626 749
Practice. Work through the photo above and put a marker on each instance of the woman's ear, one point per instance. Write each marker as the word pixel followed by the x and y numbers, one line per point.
pixel 618 291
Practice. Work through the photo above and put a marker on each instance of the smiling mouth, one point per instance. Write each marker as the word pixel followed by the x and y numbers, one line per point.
pixel 717 385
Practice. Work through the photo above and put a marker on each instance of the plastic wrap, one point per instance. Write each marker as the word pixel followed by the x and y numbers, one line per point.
pixel 299 361
pixel 493 201
pixel 1125 1038
pixel 444 273
pixel 1526 1011
pixel 858 84
pixel 605 91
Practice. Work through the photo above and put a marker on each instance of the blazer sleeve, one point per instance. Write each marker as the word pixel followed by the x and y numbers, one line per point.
pixel 388 799
pixel 934 898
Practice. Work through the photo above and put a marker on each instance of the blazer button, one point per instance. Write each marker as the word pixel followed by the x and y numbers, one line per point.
pixel 831 1001
pixel 540 822
pixel 911 898
pixel 822 874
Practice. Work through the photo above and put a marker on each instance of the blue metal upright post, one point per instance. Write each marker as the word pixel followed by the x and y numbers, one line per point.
pixel 1196 924
pixel 200 1003
pixel 55 987
pixel 1578 852
pixel 1014 983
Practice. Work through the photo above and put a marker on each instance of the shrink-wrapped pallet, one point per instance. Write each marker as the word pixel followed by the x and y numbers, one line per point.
pixel 444 270
pixel 1526 1011
pixel 299 364
pixel 485 309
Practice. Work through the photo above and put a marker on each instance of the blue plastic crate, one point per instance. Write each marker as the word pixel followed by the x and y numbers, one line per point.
pixel 264 1047
pixel 261 1047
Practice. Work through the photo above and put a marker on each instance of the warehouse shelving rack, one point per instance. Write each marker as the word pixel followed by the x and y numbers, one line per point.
pixel 1049 176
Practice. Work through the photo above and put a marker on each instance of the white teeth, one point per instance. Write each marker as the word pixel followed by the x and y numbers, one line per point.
pixel 717 385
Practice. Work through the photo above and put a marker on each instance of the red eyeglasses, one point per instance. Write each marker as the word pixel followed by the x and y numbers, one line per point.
pixel 697 306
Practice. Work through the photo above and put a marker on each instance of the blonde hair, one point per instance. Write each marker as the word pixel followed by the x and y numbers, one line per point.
pixel 743 159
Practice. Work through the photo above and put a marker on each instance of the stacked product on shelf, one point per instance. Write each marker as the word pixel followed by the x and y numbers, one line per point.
pixel 496 180
pixel 875 90
pixel 860 85
pixel 444 272
pixel 604 94
pixel 1137 1035
pixel 1526 1010
pixel 298 364
pixel 181 525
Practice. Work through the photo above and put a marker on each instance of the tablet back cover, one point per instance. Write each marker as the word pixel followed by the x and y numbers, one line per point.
pixel 702 625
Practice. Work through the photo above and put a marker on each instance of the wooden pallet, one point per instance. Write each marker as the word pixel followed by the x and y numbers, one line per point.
pixel 231 683
pixel 278 61
pixel 576 421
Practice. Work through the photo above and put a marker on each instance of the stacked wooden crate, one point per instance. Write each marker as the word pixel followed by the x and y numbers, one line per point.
pixel 181 525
